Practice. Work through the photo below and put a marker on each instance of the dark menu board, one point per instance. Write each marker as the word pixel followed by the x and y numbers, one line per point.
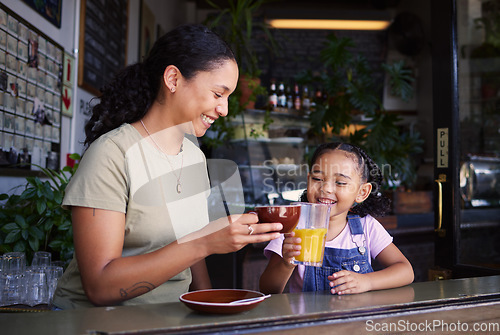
pixel 103 40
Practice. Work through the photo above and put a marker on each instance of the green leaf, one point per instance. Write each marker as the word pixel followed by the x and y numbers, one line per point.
pixel 47 226
pixel 10 227
pixel 46 191
pixel 401 78
pixel 31 180
pixel 29 193
pixel 65 226
pixel 51 174
pixel 13 236
pixel 56 244
pixel 21 222
pixel 36 232
pixel 34 244
pixel 41 206
pixel 25 234
pixel 20 246
pixel 58 197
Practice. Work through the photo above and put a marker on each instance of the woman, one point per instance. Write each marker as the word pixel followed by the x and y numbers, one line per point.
pixel 138 199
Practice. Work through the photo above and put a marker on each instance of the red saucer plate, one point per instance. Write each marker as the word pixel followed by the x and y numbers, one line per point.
pixel 217 301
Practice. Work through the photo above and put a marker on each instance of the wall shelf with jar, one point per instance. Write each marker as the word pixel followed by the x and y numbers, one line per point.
pixel 30 96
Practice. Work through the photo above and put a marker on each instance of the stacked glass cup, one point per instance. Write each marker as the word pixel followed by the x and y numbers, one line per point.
pixel 28 285
pixel 12 278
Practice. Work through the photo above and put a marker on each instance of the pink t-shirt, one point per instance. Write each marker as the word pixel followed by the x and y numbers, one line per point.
pixel 377 239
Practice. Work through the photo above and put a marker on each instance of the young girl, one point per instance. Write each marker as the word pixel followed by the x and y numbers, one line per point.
pixel 344 177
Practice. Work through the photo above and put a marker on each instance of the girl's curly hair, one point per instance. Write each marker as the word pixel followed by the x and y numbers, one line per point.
pixel 127 97
pixel 376 204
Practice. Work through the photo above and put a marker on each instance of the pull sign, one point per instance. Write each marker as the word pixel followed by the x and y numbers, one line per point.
pixel 442 148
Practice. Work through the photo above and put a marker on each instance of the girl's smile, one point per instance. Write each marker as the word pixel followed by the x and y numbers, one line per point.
pixel 327 201
pixel 335 180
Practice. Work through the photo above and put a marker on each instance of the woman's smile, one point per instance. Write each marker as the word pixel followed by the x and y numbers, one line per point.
pixel 207 119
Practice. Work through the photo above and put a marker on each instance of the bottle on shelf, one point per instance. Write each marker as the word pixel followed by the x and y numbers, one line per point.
pixel 273 96
pixel 289 98
pixel 306 101
pixel 281 96
pixel 297 101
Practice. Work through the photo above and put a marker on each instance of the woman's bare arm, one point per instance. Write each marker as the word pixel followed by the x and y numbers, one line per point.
pixel 201 279
pixel 109 278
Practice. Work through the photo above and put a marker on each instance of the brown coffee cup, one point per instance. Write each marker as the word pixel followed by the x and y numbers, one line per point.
pixel 287 215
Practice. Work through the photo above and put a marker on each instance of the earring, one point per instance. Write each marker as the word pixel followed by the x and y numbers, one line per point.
pixel 172 89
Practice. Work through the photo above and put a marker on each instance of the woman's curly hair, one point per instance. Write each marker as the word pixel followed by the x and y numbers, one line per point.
pixel 376 204
pixel 128 96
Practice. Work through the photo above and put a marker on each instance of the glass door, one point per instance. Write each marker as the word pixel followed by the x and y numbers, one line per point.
pixel 466 103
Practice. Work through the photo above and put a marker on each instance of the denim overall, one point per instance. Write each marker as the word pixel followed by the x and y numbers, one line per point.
pixel 356 260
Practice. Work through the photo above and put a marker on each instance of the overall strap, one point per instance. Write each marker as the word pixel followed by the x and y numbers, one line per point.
pixel 355 224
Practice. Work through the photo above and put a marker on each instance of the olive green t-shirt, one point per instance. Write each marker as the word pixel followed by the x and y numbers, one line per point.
pixel 121 171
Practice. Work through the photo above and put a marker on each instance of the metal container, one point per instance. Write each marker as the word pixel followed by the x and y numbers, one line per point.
pixel 480 181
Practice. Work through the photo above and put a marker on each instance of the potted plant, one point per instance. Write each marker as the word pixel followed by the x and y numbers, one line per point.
pixel 353 100
pixel 486 57
pixel 490 22
pixel 34 220
pixel 236 24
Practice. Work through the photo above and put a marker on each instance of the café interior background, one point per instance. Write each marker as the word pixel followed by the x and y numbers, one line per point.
pixel 170 13
pixel 414 234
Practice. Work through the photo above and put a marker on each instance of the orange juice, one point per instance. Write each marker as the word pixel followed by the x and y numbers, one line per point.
pixel 313 245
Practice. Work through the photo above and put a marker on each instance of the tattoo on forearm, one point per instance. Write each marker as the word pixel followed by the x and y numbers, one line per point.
pixel 142 286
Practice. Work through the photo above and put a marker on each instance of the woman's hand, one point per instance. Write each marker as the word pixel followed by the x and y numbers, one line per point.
pixel 348 282
pixel 291 247
pixel 232 233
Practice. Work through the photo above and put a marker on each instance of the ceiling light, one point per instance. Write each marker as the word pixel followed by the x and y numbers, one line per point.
pixel 329 24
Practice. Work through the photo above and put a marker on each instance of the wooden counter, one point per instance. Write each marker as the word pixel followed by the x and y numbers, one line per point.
pixel 476 299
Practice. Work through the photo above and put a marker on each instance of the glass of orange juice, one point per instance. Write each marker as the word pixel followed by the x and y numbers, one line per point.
pixel 312 229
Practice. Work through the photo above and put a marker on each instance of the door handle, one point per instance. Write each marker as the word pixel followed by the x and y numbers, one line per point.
pixel 441 179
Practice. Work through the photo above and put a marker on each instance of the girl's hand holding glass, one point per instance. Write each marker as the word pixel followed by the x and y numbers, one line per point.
pixel 291 248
